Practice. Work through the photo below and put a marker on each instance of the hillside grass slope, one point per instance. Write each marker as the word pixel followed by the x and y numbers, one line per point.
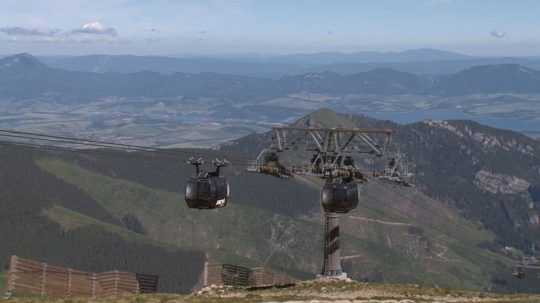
pixel 313 291
pixel 395 235
pixel 46 219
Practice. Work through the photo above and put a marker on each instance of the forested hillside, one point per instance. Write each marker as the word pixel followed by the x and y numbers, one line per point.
pixel 47 219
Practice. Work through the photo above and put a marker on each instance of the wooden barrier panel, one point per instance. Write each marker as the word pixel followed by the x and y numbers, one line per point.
pixel 265 277
pixel 116 283
pixel 213 275
pixel 148 284
pixel 35 278
pixel 226 274
pixel 234 275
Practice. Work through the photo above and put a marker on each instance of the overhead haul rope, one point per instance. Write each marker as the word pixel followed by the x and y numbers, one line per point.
pixel 63 140
pixel 82 140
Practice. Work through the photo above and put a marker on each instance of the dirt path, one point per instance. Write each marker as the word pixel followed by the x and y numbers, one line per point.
pixel 380 221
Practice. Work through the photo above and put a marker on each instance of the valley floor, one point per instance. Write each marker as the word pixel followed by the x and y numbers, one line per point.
pixel 343 292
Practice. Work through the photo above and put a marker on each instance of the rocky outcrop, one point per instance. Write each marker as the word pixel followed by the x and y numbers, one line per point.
pixel 500 183
pixel 445 125
pixel 485 140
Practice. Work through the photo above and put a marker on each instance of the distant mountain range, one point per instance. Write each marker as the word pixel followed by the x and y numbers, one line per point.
pixel 377 81
pixel 242 65
pixel 415 55
pixel 23 76
pixel 487 79
pixel 420 61
pixel 169 65
pixel 430 68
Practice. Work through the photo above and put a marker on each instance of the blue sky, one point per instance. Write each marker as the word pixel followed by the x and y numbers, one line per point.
pixel 207 27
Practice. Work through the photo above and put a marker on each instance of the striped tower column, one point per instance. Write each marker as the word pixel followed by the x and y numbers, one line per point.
pixel 332 253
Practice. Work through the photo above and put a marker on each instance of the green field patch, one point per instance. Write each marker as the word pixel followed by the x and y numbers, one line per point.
pixel 71 220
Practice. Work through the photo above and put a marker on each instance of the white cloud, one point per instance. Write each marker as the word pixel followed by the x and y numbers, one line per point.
pixel 28 32
pixel 91 28
pixel 93 32
pixel 95 28
pixel 497 34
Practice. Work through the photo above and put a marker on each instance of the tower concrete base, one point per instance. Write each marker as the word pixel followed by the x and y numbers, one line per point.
pixel 341 277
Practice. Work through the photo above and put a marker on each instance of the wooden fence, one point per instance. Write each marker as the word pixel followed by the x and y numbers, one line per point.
pixel 233 275
pixel 148 284
pixel 262 277
pixel 36 278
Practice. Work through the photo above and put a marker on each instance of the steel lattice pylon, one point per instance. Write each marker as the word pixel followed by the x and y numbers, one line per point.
pixel 332 159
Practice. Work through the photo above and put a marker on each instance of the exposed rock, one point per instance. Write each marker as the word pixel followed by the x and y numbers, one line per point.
pixel 534 219
pixel 487 141
pixel 445 125
pixel 500 183
pixel 490 141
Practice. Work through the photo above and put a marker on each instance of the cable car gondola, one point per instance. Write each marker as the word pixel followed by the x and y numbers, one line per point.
pixel 207 190
pixel 268 163
pixel 518 273
pixel 339 197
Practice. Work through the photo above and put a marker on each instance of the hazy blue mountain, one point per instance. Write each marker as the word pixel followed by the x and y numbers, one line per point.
pixel 23 76
pixel 504 78
pixel 132 64
pixel 422 61
pixel 39 79
pixel 425 67
pixel 24 80
pixel 26 77
pixel 20 63
pixel 249 65
pixel 416 55
pixel 377 81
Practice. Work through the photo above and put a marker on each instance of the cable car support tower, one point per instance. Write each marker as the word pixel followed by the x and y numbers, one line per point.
pixel 334 152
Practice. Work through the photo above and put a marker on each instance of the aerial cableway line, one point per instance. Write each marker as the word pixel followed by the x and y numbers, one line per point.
pixel 72 144
pixel 205 190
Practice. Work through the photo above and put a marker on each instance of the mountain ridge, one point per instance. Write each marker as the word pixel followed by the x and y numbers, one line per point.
pixel 503 78
pixel 27 78
pixel 272 66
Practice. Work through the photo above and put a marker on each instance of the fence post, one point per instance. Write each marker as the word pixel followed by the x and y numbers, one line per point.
pixel 12 277
pixel 69 282
pixel 116 277
pixel 93 285
pixel 205 274
pixel 43 279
